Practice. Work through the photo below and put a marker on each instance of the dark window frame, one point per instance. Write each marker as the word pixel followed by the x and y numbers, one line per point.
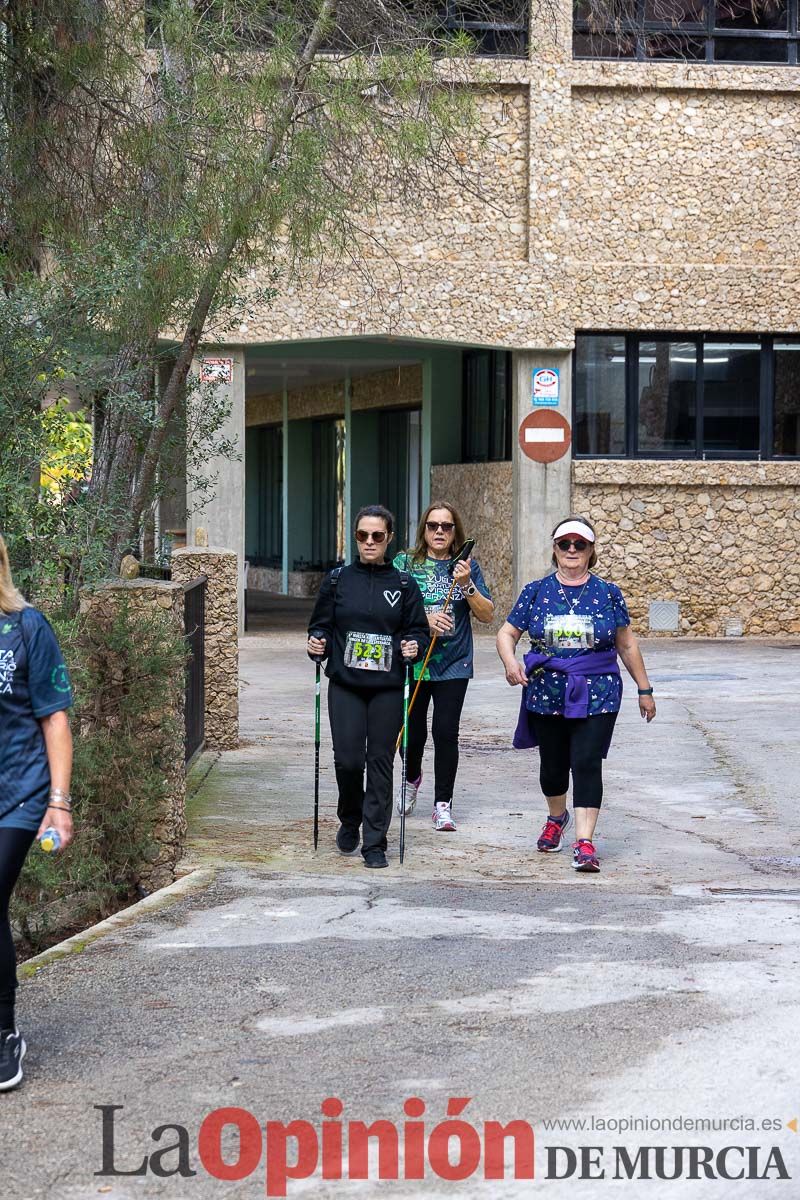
pixel 498 359
pixel 493 38
pixel 708 31
pixel 268 533
pixel 699 454
pixel 482 31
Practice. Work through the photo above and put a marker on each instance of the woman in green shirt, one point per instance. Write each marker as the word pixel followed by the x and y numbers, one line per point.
pixel 439 535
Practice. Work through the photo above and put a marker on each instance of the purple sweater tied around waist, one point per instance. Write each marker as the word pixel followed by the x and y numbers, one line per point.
pixel 577 669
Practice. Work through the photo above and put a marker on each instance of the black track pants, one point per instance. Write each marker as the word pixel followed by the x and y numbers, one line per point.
pixel 14 845
pixel 448 700
pixel 577 746
pixel 364 726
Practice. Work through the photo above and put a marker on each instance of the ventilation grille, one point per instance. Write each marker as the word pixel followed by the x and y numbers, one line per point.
pixel 665 616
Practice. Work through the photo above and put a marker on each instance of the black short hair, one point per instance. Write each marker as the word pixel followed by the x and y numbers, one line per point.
pixel 376 510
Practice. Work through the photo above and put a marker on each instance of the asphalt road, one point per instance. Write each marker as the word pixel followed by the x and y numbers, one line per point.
pixel 662 990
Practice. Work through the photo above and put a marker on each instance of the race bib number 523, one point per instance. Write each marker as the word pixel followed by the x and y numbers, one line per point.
pixel 368 652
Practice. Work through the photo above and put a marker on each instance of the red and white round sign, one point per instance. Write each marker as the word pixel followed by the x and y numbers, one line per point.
pixel 544 435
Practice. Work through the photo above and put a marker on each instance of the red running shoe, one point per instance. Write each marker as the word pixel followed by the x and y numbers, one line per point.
pixel 584 856
pixel 551 836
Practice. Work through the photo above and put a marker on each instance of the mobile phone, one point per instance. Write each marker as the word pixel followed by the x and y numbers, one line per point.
pixel 462 555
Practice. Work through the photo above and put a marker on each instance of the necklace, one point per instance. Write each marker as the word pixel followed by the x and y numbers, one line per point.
pixel 569 603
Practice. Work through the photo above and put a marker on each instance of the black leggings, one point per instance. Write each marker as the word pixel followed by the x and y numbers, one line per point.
pixel 14 845
pixel 573 745
pixel 448 700
pixel 365 723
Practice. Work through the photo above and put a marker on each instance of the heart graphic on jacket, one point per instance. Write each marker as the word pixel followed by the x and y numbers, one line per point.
pixel 391 598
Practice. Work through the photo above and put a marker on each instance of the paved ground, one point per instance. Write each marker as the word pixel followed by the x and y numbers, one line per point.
pixel 666 987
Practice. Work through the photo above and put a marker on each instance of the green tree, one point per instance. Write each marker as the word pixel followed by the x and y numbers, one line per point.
pixel 151 156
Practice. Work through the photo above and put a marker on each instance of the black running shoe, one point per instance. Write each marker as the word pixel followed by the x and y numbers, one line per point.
pixel 375 858
pixel 12 1052
pixel 347 840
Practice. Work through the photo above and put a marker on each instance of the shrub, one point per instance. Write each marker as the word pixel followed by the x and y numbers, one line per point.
pixel 125 671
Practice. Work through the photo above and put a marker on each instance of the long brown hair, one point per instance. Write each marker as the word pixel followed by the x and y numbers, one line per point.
pixel 420 551
pixel 11 600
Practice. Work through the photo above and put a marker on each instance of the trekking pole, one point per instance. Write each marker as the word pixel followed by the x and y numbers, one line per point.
pixel 462 555
pixel 404 774
pixel 425 663
pixel 317 661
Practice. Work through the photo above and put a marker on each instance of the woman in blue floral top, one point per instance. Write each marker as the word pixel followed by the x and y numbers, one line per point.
pixel 578 623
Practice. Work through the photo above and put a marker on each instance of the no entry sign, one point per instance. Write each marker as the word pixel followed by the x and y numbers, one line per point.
pixel 544 436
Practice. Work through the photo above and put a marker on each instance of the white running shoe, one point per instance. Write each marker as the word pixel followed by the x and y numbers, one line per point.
pixel 442 818
pixel 411 795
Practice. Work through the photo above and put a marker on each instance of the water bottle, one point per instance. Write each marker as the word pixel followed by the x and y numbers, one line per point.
pixel 50 840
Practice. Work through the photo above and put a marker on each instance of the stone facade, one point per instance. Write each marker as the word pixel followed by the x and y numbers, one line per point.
pixel 222 640
pixel 605 196
pixel 161 731
pixel 483 495
pixel 713 536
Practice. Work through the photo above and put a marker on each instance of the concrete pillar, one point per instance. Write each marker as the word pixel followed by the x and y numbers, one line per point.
pixel 542 492
pixel 224 513
pixel 221 640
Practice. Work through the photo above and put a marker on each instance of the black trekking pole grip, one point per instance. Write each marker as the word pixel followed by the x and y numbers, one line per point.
pixel 320 636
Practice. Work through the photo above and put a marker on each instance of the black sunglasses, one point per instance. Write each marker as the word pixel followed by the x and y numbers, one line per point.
pixel 377 535
pixel 445 526
pixel 565 543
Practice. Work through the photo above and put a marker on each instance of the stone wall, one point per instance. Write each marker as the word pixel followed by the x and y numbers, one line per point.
pixel 302 584
pixel 482 493
pixel 222 638
pixel 718 537
pixel 162 731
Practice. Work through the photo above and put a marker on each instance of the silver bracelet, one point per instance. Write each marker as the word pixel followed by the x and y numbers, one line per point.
pixel 60 794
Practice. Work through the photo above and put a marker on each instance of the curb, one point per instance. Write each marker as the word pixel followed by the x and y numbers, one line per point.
pixel 193 882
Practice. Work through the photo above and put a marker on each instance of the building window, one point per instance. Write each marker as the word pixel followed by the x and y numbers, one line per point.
pixel 327 494
pixel 723 31
pixel 600 380
pixel 666 388
pixel 264 495
pixel 686 396
pixel 486 406
pixel 498 29
pixel 786 415
pixel 731 396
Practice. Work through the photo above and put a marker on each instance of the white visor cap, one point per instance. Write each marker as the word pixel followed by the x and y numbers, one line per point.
pixel 576 527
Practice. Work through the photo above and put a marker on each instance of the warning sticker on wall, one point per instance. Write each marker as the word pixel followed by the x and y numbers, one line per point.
pixel 546 387
pixel 216 370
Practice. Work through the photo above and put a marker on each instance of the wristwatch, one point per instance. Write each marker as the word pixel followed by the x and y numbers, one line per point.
pixel 471 590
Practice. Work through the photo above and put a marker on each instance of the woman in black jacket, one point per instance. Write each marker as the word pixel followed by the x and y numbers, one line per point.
pixel 368 620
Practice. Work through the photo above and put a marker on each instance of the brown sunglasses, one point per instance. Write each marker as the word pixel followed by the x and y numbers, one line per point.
pixel 378 535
